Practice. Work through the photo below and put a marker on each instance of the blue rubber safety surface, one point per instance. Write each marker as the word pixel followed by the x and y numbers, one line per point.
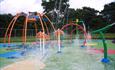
pixel 16 54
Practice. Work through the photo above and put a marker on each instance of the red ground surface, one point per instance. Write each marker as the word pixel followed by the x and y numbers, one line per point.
pixel 110 51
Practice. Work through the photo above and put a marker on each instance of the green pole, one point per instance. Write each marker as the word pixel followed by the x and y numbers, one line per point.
pixel 104 45
pixel 103 29
pixel 105 59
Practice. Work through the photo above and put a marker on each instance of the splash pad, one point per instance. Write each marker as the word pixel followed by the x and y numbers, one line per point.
pixel 44 33
pixel 48 37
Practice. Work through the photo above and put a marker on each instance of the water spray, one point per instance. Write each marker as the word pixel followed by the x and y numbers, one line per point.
pixel 59 43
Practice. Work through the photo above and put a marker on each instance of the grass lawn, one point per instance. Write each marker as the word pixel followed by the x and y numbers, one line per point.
pixel 32 38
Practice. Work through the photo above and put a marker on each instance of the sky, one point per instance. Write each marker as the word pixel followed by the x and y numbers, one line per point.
pixel 16 6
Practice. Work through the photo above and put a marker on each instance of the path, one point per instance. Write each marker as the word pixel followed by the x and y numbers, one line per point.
pixel 28 64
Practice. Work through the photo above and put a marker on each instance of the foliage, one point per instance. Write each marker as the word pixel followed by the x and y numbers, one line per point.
pixel 87 14
pixel 54 4
pixel 92 18
pixel 5 19
pixel 109 14
pixel 57 9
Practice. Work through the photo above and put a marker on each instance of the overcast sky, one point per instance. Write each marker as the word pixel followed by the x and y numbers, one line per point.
pixel 15 6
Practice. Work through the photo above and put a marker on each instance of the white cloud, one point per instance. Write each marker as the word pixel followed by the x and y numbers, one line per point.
pixel 15 6
pixel 97 4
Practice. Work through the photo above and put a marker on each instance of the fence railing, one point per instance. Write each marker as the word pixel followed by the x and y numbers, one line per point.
pixel 17 32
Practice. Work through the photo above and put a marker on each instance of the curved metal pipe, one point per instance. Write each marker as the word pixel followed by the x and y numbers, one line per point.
pixel 50 22
pixel 80 27
pixel 11 23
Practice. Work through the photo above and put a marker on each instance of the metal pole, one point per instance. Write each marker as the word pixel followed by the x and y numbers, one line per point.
pixel 105 59
pixel 104 44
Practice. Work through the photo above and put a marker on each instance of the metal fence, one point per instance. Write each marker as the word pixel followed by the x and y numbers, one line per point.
pixel 17 32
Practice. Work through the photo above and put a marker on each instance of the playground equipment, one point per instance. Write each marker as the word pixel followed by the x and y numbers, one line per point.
pixel 44 33
pixel 58 34
pixel 42 37
pixel 32 17
pixel 79 27
pixel 100 31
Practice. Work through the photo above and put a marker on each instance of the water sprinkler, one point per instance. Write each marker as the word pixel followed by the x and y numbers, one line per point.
pixel 58 34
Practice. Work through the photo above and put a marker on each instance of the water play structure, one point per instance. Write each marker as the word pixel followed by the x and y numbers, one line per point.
pixel 60 43
pixel 32 17
pixel 100 31
pixel 46 33
pixel 58 34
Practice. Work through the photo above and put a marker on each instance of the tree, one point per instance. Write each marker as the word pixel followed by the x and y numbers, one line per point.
pixel 5 19
pixel 71 14
pixel 4 22
pixel 86 14
pixel 56 9
pixel 51 5
pixel 109 12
